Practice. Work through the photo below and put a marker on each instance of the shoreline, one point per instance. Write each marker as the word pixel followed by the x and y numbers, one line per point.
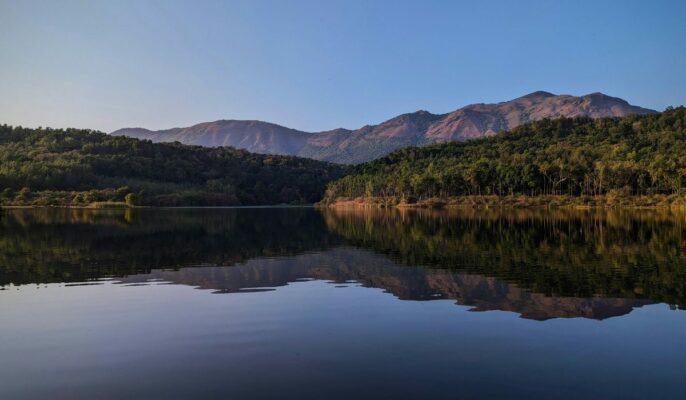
pixel 461 202
pixel 548 201
pixel 20 207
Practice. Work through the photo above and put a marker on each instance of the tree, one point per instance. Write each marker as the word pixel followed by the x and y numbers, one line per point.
pixel 130 199
pixel 23 195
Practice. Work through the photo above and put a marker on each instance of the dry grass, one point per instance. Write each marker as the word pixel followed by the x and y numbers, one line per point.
pixel 578 202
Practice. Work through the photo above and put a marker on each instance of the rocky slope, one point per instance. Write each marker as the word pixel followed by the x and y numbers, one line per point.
pixel 373 141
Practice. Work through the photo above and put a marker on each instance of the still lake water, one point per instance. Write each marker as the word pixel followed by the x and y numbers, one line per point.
pixel 326 304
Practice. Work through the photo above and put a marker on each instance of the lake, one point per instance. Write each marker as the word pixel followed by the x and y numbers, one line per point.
pixel 336 304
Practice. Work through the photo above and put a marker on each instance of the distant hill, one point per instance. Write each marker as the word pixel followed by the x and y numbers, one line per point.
pixel 254 136
pixel 374 141
pixel 82 167
pixel 633 155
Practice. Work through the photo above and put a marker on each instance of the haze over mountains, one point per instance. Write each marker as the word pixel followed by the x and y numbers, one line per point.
pixel 373 141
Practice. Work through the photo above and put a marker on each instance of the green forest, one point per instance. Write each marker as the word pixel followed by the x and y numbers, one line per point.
pixel 83 167
pixel 630 156
pixel 575 157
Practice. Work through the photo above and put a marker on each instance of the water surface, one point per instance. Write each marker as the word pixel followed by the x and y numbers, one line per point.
pixel 302 303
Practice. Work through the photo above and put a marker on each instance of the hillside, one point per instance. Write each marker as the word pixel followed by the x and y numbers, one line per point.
pixel 374 141
pixel 79 167
pixel 635 155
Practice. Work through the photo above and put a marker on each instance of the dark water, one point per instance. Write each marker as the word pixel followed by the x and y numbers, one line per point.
pixel 300 303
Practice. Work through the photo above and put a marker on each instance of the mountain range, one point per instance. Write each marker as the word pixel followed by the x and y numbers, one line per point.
pixel 374 141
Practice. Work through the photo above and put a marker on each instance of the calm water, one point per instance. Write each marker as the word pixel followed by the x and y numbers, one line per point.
pixel 300 303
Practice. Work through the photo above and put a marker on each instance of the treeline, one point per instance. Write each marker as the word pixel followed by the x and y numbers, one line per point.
pixel 80 167
pixel 635 155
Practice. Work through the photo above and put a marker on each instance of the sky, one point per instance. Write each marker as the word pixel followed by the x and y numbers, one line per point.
pixel 318 65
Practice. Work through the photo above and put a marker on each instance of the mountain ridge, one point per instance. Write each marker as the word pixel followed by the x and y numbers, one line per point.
pixel 372 141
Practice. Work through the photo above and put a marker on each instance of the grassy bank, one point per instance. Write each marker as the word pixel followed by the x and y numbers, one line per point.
pixel 109 205
pixel 115 198
pixel 604 201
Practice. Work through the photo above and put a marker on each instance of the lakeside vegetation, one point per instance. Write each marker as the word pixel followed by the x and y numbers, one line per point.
pixel 635 160
pixel 614 199
pixel 72 167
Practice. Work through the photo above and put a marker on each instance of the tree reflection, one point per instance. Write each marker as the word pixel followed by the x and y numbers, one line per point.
pixel 540 264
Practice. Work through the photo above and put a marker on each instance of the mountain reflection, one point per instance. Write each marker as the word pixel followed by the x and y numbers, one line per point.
pixel 539 264
pixel 346 265
pixel 622 254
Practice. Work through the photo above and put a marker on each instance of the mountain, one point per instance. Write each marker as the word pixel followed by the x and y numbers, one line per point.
pixel 254 136
pixel 374 141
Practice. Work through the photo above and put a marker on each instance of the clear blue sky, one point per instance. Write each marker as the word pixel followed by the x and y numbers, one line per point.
pixel 318 65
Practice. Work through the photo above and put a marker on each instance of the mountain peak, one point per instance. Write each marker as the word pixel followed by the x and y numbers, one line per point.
pixel 539 94
pixel 601 95
pixel 603 100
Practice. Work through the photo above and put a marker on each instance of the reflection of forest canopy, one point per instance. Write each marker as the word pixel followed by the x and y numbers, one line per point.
pixel 637 155
pixel 638 255
pixel 615 254
pixel 54 166
pixel 76 245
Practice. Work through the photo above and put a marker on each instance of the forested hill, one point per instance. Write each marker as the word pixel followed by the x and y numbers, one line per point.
pixel 634 155
pixel 79 167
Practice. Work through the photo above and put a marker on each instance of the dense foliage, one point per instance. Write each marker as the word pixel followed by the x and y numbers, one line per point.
pixel 635 155
pixel 71 167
